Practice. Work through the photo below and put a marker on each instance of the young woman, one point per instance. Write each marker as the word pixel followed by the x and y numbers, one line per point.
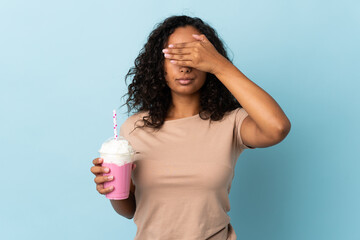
pixel 199 112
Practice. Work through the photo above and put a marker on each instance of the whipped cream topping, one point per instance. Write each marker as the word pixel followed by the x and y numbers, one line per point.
pixel 118 151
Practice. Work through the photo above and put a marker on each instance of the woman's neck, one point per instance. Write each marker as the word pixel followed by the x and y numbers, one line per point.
pixel 183 107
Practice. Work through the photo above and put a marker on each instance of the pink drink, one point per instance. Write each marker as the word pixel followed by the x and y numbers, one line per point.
pixel 121 180
pixel 118 157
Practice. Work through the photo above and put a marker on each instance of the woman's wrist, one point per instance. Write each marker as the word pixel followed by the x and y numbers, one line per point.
pixel 223 67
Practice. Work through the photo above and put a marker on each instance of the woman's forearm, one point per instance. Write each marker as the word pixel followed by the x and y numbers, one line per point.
pixel 125 207
pixel 262 108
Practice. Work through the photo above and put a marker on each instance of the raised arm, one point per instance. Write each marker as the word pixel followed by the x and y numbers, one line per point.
pixel 266 124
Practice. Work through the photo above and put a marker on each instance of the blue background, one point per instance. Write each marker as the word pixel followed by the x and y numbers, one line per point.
pixel 62 68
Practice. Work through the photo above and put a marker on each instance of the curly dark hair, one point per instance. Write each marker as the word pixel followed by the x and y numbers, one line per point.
pixel 149 91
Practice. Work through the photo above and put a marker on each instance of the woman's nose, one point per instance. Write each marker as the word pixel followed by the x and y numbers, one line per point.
pixel 185 69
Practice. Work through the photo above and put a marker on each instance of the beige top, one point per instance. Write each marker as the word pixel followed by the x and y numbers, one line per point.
pixel 183 176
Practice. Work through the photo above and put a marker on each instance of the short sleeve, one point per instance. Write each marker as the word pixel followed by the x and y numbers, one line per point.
pixel 128 125
pixel 121 132
pixel 240 115
pixel 124 128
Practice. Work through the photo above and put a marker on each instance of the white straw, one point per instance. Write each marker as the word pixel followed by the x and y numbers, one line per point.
pixel 115 125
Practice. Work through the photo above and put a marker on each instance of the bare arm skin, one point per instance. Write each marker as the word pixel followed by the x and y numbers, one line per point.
pixel 266 124
pixel 125 207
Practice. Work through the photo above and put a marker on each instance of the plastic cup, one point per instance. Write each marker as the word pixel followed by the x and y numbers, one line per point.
pixel 121 175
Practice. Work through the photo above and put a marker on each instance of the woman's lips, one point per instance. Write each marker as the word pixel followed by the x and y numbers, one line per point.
pixel 185 81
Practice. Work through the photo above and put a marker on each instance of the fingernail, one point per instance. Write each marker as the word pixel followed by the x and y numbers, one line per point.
pixel 170 46
pixel 106 170
pixel 110 177
pixel 165 50
pixel 167 55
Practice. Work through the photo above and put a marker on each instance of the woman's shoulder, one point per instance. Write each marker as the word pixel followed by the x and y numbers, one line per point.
pixel 235 116
pixel 132 119
pixel 233 113
pixel 135 116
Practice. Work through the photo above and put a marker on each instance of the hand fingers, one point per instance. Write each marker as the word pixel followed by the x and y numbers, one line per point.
pixel 182 63
pixel 100 188
pixel 97 161
pixel 102 179
pixel 183 51
pixel 183 44
pixel 99 170
pixel 178 57
pixel 200 37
